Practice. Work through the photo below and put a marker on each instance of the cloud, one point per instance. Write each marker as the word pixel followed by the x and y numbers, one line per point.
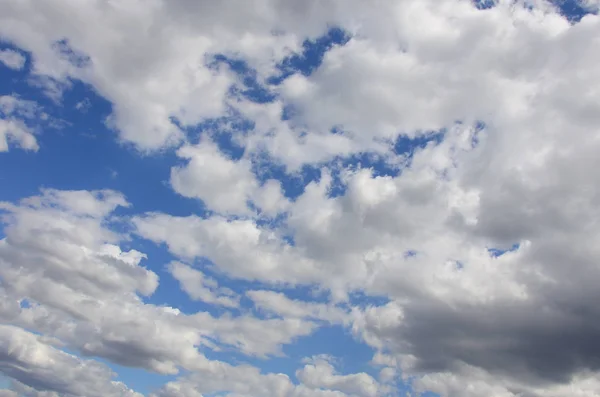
pixel 12 59
pixel 30 360
pixel 201 287
pixel 421 239
pixel 240 248
pixel 161 79
pixel 13 129
pixel 277 303
pixel 65 276
pixel 248 381
pixel 224 185
pixel 593 5
pixel 481 246
pixel 319 373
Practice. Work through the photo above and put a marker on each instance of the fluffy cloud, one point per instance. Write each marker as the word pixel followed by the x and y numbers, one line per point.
pixel 240 247
pixel 277 303
pixel 592 5
pixel 247 381
pixel 482 243
pixel 64 275
pixel 201 287
pixel 140 56
pixel 12 59
pixel 26 357
pixel 319 373
pixel 13 129
pixel 423 239
pixel 224 185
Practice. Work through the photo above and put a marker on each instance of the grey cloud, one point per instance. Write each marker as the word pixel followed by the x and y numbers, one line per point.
pixel 26 358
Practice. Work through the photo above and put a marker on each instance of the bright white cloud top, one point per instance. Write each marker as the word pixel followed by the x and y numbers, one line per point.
pixel 279 198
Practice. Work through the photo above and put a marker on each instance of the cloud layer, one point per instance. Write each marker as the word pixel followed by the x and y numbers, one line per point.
pixel 429 180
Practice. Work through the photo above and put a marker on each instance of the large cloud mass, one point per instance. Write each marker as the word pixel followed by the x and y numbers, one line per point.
pixel 454 149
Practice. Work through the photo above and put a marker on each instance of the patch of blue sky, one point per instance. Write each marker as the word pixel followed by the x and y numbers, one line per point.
pixel 362 300
pixel 85 154
pixel 484 4
pixel 312 55
pixel 574 10
pixel 225 131
pixel 407 146
pixel 292 183
pixel 250 86
pixel 496 252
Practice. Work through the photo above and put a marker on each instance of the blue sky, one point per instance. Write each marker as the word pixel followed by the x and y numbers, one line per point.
pixel 359 199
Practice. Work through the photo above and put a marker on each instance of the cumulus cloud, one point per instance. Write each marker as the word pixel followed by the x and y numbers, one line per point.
pixel 481 243
pixel 239 247
pixel 161 79
pixel 319 373
pixel 224 185
pixel 65 276
pixel 248 381
pixel 27 358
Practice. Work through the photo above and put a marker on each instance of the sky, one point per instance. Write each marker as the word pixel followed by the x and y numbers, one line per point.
pixel 294 199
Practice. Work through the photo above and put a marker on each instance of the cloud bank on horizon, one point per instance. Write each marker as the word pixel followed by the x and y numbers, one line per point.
pixel 277 198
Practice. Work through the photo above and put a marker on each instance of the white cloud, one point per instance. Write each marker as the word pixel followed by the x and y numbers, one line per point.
pixel 239 248
pixel 321 374
pixel 279 304
pixel 223 184
pixel 153 63
pixel 593 5
pixel 13 129
pixel 247 381
pixel 65 276
pixel 523 322
pixel 12 59
pixel 27 358
pixel 201 287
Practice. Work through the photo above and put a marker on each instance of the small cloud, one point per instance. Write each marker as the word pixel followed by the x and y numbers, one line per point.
pixel 51 87
pixel 84 105
pixel 12 59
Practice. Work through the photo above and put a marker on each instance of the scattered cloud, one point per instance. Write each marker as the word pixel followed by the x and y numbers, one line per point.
pixel 13 128
pixel 466 264
pixel 12 59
